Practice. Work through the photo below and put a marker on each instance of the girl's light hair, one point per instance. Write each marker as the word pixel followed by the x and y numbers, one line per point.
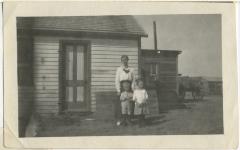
pixel 139 80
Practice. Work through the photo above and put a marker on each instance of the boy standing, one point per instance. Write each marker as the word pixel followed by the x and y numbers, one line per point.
pixel 125 98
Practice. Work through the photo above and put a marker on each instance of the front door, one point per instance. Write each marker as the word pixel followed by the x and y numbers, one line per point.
pixel 76 76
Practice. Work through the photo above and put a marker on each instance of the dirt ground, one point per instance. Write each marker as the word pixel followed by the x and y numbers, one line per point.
pixel 202 117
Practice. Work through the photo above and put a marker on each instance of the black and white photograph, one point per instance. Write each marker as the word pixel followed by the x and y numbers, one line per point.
pixel 120 75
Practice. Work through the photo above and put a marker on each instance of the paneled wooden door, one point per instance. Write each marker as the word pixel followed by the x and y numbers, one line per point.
pixel 76 76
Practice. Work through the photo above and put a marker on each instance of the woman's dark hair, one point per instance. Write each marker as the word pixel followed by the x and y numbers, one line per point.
pixel 124 56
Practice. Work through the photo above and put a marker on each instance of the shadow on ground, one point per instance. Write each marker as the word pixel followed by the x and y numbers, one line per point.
pixel 187 117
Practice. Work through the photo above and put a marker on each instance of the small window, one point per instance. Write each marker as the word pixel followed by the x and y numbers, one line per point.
pixel 153 69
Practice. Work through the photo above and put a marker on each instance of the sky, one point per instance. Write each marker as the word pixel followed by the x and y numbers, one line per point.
pixel 197 36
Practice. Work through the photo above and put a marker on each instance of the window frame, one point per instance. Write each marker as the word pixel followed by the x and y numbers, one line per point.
pixel 152 65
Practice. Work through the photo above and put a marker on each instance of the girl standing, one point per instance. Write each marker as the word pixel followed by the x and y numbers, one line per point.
pixel 140 97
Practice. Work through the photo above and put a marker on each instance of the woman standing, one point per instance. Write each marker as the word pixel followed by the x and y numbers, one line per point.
pixel 123 73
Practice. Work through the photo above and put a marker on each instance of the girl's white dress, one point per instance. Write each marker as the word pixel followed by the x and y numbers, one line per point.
pixel 140 97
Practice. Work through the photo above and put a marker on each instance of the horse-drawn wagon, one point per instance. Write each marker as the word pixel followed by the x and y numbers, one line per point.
pixel 196 86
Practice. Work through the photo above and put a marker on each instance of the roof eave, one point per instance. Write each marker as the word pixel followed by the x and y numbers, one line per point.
pixel 170 51
pixel 38 30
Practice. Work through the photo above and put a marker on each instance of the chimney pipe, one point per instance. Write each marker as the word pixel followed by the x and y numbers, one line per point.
pixel 155 35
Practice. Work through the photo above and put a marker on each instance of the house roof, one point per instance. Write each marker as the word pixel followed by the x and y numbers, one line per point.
pixel 102 24
pixel 156 52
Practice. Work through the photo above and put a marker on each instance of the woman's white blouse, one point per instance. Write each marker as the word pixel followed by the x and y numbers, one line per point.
pixel 122 75
pixel 140 95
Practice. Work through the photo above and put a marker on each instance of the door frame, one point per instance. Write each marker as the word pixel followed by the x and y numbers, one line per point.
pixel 62 92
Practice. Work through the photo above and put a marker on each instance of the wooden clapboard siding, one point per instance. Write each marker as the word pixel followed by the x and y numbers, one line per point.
pixel 104 68
pixel 44 66
pixel 46 71
pixel 103 88
pixel 50 47
pixel 46 59
pixel 46 55
pixel 108 60
pixel 114 48
pixel 119 53
pixel 103 83
pixel 46 52
pixel 115 65
pixel 45 76
pixel 45 95
pixel 40 79
pixel 46 63
pixel 103 79
pixel 112 72
pixel 97 89
pixel 105 58
pixel 44 91
pixel 46 87
pixel 103 75
pixel 45 100
pixel 112 57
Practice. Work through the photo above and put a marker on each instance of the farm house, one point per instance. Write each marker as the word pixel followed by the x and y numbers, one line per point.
pixel 69 63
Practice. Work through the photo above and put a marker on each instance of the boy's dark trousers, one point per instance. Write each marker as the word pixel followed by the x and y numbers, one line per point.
pixel 132 105
pixel 117 108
